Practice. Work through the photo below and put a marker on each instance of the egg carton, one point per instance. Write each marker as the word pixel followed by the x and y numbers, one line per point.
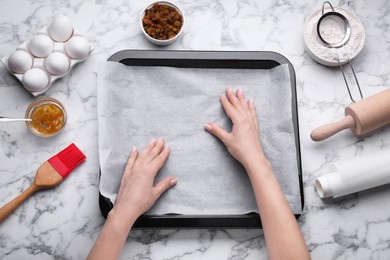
pixel 48 56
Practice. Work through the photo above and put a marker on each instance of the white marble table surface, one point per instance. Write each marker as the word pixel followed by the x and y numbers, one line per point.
pixel 63 223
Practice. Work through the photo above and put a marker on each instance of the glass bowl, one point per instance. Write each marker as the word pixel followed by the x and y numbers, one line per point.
pixel 48 117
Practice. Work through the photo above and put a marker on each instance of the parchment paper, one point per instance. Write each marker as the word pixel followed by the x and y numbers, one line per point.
pixel 354 175
pixel 136 104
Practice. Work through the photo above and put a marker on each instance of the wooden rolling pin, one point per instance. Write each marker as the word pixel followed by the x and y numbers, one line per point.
pixel 362 117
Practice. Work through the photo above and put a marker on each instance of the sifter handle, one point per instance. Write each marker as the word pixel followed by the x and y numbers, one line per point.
pixel 325 131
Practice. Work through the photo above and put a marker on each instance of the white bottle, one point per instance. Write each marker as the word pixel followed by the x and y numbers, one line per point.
pixel 357 174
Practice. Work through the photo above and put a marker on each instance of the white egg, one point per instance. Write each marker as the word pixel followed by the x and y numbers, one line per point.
pixel 41 46
pixel 20 61
pixel 57 63
pixel 35 80
pixel 61 29
pixel 77 48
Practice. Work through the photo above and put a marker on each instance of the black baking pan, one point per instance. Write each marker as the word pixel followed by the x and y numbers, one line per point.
pixel 208 59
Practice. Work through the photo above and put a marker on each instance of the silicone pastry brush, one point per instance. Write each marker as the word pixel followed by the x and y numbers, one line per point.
pixel 49 174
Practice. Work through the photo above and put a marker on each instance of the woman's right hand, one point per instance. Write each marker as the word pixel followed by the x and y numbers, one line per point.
pixel 282 235
pixel 243 143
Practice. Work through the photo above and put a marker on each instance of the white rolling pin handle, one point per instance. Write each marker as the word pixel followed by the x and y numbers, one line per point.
pixel 325 131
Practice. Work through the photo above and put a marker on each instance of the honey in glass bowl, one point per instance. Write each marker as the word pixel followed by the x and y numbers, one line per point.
pixel 48 117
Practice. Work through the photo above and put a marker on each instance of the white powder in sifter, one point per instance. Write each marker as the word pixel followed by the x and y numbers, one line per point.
pixel 333 31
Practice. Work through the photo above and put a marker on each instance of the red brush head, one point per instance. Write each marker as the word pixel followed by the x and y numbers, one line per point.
pixel 66 160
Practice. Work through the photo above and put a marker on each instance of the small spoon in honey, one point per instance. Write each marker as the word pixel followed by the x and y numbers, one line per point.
pixel 9 119
pixel 4 119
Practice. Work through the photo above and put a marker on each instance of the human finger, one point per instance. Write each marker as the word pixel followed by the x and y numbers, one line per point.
pixel 163 186
pixel 228 107
pixel 217 131
pixel 147 149
pixel 241 98
pixel 159 161
pixel 253 113
pixel 131 160
pixel 232 98
pixel 156 150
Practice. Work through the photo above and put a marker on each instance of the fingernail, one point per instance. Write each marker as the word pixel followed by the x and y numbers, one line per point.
pixel 161 139
pixel 251 101
pixel 134 149
pixel 152 141
pixel 229 89
pixel 207 127
pixel 239 90
pixel 173 181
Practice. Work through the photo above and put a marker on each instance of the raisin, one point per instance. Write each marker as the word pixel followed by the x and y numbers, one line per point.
pixel 162 21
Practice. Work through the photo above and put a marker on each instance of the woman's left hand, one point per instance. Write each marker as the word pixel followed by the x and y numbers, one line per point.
pixel 137 194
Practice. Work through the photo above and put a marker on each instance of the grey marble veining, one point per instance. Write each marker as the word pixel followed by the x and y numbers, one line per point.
pixel 62 223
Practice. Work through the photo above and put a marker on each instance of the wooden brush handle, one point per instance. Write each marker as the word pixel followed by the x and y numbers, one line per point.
pixel 325 131
pixel 13 204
